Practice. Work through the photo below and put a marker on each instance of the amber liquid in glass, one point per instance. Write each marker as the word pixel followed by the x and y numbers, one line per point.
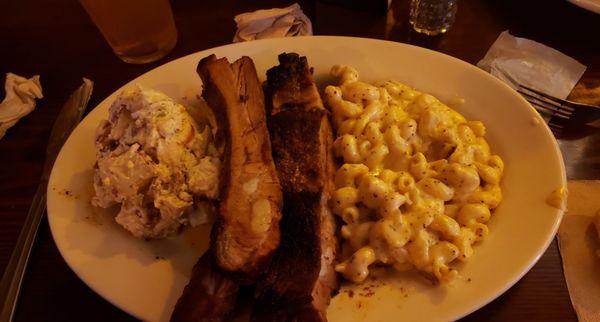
pixel 139 31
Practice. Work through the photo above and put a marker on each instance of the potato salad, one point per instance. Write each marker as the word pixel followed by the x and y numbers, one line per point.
pixel 156 163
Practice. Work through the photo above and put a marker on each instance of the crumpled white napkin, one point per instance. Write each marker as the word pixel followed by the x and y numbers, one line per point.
pixel 19 101
pixel 272 23
pixel 532 64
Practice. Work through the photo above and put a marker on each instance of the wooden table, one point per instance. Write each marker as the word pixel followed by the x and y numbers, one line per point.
pixel 57 40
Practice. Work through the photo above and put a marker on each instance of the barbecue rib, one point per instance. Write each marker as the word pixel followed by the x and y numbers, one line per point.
pixel 298 283
pixel 246 231
pixel 209 296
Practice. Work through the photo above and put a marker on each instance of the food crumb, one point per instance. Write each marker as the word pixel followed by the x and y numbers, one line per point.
pixel 557 198
pixel 66 193
pixel 367 291
pixel 535 121
pixel 456 101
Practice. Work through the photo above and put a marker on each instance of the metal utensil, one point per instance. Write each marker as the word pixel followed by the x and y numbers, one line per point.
pixel 564 113
pixel 67 120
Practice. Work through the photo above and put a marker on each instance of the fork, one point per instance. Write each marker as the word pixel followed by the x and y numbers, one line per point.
pixel 564 113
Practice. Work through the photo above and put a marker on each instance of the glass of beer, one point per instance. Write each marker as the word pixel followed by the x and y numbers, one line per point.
pixel 139 31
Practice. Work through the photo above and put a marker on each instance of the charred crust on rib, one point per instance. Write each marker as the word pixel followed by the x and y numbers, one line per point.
pixel 300 167
pixel 289 74
pixel 290 82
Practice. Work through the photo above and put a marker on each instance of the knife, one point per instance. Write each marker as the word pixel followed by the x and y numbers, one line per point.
pixel 67 120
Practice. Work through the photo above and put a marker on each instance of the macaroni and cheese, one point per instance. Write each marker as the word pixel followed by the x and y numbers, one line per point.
pixel 418 182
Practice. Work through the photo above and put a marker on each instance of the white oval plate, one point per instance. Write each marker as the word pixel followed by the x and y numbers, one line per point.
pixel 591 5
pixel 146 278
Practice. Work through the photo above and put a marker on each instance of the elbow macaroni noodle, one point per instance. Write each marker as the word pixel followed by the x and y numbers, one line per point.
pixel 418 181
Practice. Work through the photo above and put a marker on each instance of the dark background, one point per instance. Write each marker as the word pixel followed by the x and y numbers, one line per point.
pixel 57 40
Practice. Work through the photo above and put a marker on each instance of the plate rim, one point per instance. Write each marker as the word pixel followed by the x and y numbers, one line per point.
pixel 589 5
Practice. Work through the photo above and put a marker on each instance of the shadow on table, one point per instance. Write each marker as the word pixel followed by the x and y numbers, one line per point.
pixel 575 132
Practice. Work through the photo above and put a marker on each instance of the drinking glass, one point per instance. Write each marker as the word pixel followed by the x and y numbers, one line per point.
pixel 139 31
pixel 432 17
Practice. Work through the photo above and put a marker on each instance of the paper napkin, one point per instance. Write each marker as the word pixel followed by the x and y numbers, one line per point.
pixel 579 247
pixel 532 64
pixel 19 101
pixel 272 23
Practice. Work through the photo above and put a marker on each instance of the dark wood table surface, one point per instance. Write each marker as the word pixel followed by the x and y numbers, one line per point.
pixel 56 39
